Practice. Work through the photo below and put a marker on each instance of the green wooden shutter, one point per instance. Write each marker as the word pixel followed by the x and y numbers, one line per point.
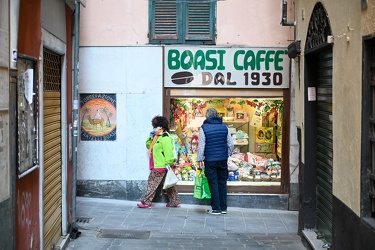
pixel 200 21
pixel 164 21
pixel 182 21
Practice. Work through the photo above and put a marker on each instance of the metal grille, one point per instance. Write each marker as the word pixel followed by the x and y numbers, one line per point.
pixel 324 145
pixel 83 220
pixel 51 71
pixel 319 28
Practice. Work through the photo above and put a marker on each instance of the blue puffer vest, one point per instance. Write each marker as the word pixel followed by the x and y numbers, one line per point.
pixel 216 133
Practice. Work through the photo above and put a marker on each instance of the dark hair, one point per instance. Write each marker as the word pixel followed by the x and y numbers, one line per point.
pixel 160 121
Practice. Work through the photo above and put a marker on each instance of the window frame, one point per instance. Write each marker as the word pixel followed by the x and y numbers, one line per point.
pixel 179 34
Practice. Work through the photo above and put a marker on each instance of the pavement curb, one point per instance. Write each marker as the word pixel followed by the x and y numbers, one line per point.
pixel 311 238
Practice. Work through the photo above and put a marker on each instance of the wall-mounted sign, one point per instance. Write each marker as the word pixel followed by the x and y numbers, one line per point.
pixel 98 117
pixel 311 94
pixel 220 67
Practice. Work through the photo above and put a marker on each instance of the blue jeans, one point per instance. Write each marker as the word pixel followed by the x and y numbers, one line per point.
pixel 217 175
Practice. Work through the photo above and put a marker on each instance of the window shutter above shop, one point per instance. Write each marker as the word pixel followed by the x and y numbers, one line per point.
pixel 164 21
pixel 182 22
pixel 200 21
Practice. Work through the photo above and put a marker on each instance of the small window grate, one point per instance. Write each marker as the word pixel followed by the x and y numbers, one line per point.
pixel 319 28
pixel 83 220
pixel 51 71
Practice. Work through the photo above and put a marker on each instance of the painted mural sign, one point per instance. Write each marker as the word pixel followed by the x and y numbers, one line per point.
pixel 98 117
pixel 220 67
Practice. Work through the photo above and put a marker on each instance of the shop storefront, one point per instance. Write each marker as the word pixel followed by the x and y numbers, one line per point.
pixel 250 89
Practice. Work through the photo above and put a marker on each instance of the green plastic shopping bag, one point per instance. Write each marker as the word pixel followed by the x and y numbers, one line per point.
pixel 201 188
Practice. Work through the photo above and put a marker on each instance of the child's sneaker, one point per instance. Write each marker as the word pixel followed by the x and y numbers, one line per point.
pixel 141 205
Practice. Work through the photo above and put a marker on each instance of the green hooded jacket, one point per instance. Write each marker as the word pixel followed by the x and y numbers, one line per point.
pixel 162 151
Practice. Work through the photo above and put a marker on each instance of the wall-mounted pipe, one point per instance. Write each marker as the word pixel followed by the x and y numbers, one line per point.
pixel 284 14
pixel 14 8
pixel 74 229
pixel 13 12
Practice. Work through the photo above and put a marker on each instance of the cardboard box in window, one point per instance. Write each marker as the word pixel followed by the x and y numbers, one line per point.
pixel 269 135
pixel 241 116
pixel 259 134
pixel 221 112
pixel 265 148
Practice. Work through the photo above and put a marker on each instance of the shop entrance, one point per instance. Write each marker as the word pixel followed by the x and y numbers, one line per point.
pixel 324 144
pixel 317 175
pixel 257 124
pixel 52 183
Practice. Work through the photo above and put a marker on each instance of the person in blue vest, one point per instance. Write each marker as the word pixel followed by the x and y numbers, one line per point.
pixel 215 145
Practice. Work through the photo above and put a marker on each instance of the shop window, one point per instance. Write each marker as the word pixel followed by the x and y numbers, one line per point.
pixel 182 21
pixel 256 128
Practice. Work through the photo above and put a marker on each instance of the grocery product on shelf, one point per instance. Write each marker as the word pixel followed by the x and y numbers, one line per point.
pixel 252 167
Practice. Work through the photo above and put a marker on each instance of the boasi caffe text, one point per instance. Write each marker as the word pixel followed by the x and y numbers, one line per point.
pixel 198 67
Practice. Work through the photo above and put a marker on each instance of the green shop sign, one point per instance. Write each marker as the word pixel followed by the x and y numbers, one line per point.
pixel 218 67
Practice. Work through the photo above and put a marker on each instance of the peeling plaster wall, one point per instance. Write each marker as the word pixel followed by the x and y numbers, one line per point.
pixel 345 21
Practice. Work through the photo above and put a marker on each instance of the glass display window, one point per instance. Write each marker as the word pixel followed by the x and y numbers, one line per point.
pixel 256 128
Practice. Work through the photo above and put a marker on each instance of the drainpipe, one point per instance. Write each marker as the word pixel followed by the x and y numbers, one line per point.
pixel 14 10
pixel 14 6
pixel 74 228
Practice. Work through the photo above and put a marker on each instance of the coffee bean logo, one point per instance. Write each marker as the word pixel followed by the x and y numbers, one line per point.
pixel 183 77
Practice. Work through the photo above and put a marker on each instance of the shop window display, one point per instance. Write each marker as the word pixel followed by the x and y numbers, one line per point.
pixel 255 125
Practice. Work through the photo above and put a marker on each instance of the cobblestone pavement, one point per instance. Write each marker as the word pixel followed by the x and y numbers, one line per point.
pixel 118 224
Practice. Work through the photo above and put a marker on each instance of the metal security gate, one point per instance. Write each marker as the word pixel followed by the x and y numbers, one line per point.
pixel 52 187
pixel 324 147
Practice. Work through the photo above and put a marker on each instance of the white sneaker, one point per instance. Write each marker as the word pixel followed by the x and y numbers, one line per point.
pixel 215 212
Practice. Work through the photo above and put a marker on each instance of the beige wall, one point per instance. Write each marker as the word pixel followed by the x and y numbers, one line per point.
pixel 368 17
pixel 252 22
pixel 114 23
pixel 239 22
pixel 345 20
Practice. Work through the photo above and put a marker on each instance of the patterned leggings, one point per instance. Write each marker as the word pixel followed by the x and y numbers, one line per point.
pixel 154 180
